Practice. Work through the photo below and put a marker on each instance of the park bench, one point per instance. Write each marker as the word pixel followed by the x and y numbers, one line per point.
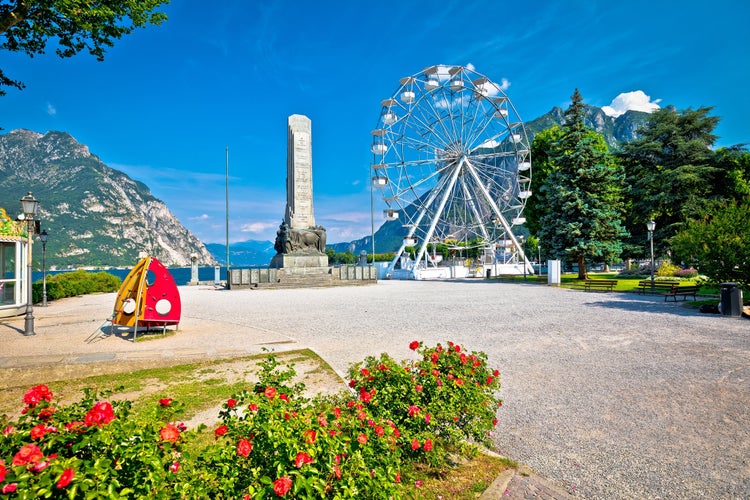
pixel 645 286
pixel 683 291
pixel 596 284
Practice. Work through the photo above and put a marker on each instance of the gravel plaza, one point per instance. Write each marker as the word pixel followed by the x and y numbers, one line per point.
pixel 607 395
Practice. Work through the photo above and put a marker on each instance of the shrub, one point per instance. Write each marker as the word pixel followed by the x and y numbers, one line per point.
pixel 76 283
pixel 271 443
pixel 666 269
pixel 688 273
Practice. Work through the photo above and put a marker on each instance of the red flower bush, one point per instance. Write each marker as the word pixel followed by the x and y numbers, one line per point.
pixel 220 431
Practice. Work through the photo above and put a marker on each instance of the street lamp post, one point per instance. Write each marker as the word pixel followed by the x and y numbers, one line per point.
pixel 650 226
pixel 29 205
pixel 44 237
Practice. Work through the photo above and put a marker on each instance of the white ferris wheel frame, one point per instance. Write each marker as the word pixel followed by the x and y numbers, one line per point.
pixel 428 140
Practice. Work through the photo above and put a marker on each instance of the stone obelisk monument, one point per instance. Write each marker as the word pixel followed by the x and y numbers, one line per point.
pixel 300 244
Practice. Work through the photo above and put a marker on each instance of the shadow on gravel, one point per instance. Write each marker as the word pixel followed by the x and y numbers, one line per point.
pixel 648 305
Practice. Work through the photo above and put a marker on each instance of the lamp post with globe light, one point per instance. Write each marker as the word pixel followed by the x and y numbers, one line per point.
pixel 29 205
pixel 650 226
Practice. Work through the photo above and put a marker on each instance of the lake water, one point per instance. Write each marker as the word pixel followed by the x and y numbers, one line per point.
pixel 181 275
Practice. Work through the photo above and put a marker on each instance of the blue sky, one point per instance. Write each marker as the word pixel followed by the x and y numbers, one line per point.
pixel 169 99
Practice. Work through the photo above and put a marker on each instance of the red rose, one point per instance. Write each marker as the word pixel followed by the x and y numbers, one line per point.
pixel 362 439
pixel 398 477
pixel 244 447
pixel 38 431
pixel 415 444
pixel 337 471
pixel 310 436
pixel 270 392
pixel 28 454
pixel 169 433
pixel 253 407
pixel 165 401
pixel 46 413
pixel 365 396
pixel 9 430
pixel 220 431
pixel 379 431
pixel 365 372
pixel 39 467
pixel 37 394
pixel 427 418
pixel 174 467
pixel 322 421
pixel 418 387
pixel 3 470
pixel 65 478
pixel 9 488
pixel 457 348
pixel 282 486
pixel 231 403
pixel 434 358
pixel 496 373
pixel 337 412
pixel 490 380
pixel 100 414
pixel 301 459
pixel 463 358
pixel 427 445
pixel 413 410
pixel 414 345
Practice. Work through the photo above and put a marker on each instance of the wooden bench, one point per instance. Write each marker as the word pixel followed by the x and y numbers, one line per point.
pixel 592 284
pixel 682 291
pixel 645 286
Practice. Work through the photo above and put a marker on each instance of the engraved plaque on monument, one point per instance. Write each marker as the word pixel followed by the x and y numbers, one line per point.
pixel 299 242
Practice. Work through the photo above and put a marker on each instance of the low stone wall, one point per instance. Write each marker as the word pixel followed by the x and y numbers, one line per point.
pixel 301 277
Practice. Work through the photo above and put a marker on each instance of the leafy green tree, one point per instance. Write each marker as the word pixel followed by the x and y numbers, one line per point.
pixel 540 154
pixel 671 172
pixel 583 195
pixel 717 244
pixel 74 25
pixel 734 172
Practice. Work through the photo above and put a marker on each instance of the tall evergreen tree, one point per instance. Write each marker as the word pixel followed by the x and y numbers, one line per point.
pixel 671 172
pixel 583 195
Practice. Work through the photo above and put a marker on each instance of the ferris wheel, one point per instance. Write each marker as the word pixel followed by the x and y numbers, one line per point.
pixel 452 159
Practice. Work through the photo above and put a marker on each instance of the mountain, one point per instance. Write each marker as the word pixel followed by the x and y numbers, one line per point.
pixel 243 253
pixel 96 216
pixel 617 130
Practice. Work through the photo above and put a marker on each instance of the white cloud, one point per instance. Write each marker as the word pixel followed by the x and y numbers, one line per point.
pixel 201 217
pixel 627 101
pixel 256 227
pixel 51 110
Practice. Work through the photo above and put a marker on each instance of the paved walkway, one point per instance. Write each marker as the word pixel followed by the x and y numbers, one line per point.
pixel 607 395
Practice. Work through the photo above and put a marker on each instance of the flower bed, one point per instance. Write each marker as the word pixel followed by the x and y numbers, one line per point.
pixel 271 442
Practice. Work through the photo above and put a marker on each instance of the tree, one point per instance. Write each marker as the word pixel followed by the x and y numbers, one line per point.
pixel 540 154
pixel 717 244
pixel 75 25
pixel 671 172
pixel 583 195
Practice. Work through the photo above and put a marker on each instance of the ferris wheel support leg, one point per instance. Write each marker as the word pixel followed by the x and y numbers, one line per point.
pixel 498 213
pixel 412 230
pixel 443 201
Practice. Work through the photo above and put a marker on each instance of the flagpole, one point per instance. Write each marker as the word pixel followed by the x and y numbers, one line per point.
pixel 227 211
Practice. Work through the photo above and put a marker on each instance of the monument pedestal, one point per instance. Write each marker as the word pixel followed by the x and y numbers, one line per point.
pixel 300 263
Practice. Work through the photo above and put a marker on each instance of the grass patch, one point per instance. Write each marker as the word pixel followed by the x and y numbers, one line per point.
pixel 463 482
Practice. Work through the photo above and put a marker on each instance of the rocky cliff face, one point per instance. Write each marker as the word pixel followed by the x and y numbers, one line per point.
pixel 615 130
pixel 96 216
